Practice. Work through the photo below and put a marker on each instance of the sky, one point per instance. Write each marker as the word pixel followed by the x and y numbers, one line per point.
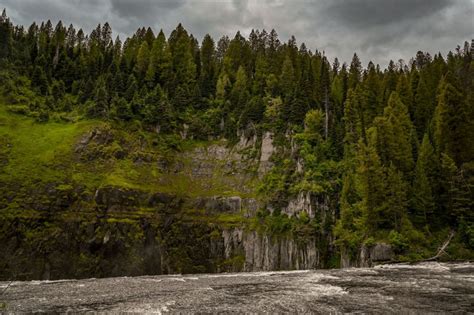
pixel 377 30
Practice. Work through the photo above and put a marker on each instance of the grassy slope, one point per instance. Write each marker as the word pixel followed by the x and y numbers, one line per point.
pixel 44 153
pixel 37 151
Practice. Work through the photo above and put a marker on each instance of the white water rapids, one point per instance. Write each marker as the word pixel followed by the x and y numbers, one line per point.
pixel 401 288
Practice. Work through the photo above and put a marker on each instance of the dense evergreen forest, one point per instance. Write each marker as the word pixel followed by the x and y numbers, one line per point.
pixel 395 145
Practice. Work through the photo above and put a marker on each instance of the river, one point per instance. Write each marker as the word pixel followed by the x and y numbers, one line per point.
pixel 401 288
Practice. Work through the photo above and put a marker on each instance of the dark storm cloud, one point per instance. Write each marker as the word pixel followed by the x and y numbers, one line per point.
pixel 374 13
pixel 143 9
pixel 377 30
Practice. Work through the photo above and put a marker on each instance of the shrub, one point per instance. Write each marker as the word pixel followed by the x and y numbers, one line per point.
pixel 19 109
pixel 398 241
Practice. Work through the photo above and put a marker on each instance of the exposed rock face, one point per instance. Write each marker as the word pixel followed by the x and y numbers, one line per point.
pixel 368 256
pixel 267 150
pixel 217 165
pixel 219 204
pixel 302 203
pixel 263 252
pixel 314 205
pixel 246 141
pixel 173 227
pixel 381 252
pixel 184 132
pixel 97 136
pixel 119 199
pixel 116 199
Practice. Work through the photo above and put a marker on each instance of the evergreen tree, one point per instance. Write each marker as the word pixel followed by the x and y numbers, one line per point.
pixel 422 107
pixel 161 66
pixel 101 99
pixel 239 95
pixel 396 129
pixel 208 71
pixel 6 39
pixel 405 92
pixel 39 80
pixel 287 78
pixel 222 86
pixel 453 126
pixel 423 200
pixel 370 184
pixel 355 72
pixel 143 59
pixel 120 109
pixel 394 206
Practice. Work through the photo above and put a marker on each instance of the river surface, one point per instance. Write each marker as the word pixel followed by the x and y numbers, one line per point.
pixel 422 288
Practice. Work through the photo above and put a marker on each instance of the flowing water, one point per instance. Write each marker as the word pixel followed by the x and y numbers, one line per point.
pixel 421 288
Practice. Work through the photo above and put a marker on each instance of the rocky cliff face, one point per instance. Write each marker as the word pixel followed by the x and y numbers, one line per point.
pixel 368 256
pixel 196 211
pixel 263 252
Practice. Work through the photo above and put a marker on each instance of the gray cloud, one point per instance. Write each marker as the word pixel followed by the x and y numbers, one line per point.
pixel 377 30
pixel 376 13
pixel 143 9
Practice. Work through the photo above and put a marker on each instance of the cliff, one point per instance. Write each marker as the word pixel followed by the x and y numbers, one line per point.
pixel 90 199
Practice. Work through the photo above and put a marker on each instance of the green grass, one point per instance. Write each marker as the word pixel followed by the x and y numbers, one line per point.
pixel 44 152
pixel 37 151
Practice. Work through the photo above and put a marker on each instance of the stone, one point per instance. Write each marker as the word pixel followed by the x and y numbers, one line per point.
pixel 219 204
pixel 302 203
pixel 381 252
pixel 264 253
pixel 266 151
pixel 267 147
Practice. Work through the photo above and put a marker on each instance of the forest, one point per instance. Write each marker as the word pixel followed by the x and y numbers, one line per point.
pixel 393 146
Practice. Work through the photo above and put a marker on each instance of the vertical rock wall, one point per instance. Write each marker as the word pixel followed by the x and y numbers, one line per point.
pixel 263 252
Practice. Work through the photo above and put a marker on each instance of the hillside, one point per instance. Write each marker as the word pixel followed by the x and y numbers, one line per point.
pixel 166 155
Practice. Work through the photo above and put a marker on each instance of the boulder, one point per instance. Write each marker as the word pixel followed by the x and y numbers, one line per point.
pixel 381 252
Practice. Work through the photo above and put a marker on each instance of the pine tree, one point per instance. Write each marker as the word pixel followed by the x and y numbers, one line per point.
pixel 390 82
pixel 370 91
pixel 395 200
pixel 453 126
pixel 423 110
pixel 397 132
pixel 183 65
pixel 239 94
pixel 161 62
pixel 6 39
pixel 101 106
pixel 405 92
pixel 423 200
pixel 222 86
pixel 143 59
pixel 349 229
pixel 120 109
pixel 260 76
pixel 208 71
pixel 39 80
pixel 287 78
pixel 370 184
pixel 355 72
pixel 354 123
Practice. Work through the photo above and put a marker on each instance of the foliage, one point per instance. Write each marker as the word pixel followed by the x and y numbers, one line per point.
pixel 392 149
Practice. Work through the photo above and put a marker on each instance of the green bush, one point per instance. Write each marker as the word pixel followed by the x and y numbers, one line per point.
pixel 19 109
pixel 398 241
pixel 466 231
pixel 369 242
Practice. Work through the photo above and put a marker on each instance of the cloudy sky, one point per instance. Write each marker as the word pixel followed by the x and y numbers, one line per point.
pixel 377 30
